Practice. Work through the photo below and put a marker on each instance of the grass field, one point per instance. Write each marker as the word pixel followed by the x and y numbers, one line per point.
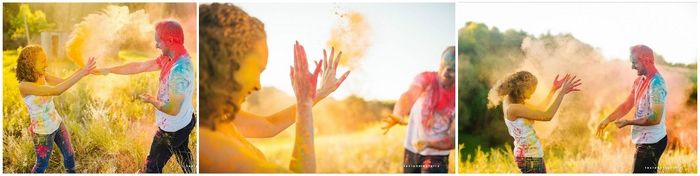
pixel 111 130
pixel 604 158
pixel 364 151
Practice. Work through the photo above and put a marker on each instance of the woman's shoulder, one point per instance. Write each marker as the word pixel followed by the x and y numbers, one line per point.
pixel 224 149
pixel 23 86
pixel 510 110
pixel 227 137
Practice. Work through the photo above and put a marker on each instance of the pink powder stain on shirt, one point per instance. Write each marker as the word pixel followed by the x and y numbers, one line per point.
pixel 437 98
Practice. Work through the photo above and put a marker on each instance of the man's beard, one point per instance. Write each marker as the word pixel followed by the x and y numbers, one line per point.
pixel 640 73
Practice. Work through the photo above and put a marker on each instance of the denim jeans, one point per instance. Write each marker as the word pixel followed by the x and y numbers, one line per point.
pixel 646 159
pixel 416 163
pixel 166 144
pixel 531 165
pixel 43 146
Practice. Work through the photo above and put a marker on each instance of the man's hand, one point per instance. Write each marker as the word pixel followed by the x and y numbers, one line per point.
pixel 621 123
pixel 151 100
pixel 390 121
pixel 420 145
pixel 601 127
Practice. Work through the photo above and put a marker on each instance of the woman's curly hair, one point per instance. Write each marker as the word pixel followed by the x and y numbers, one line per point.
pixel 226 35
pixel 26 61
pixel 518 86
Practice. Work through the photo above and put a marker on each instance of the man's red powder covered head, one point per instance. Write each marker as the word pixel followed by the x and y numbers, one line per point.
pixel 170 39
pixel 642 58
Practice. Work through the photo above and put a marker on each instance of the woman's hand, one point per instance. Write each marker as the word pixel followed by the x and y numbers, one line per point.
pixel 570 85
pixel 329 82
pixel 89 67
pixel 559 82
pixel 303 81
pixel 390 121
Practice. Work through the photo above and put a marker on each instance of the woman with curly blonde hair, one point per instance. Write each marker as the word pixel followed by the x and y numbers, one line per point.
pixel 519 115
pixel 37 89
pixel 233 55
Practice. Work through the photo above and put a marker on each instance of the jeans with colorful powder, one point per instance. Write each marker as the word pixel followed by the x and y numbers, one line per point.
pixel 531 164
pixel 166 144
pixel 646 159
pixel 417 163
pixel 43 146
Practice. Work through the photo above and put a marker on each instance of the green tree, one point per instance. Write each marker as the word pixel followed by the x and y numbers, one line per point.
pixel 26 23
pixel 483 55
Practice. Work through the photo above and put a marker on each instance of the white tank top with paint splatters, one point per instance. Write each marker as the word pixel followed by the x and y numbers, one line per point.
pixel 44 118
pixel 526 143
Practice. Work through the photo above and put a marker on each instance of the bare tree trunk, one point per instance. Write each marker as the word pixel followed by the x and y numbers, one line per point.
pixel 26 28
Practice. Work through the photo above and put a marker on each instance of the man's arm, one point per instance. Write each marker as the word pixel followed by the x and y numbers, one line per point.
pixel 446 143
pixel 619 112
pixel 654 118
pixel 657 97
pixel 402 107
pixel 622 109
pixel 406 101
pixel 180 82
pixel 130 68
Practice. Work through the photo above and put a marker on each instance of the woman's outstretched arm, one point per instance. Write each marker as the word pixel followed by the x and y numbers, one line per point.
pixel 515 111
pixel 53 80
pixel 29 88
pixel 304 84
pixel 555 86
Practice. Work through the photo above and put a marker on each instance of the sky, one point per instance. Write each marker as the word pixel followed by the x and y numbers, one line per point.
pixel 405 40
pixel 670 29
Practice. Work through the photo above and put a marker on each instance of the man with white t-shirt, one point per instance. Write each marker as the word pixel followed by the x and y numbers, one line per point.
pixel 648 97
pixel 174 109
pixel 430 105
